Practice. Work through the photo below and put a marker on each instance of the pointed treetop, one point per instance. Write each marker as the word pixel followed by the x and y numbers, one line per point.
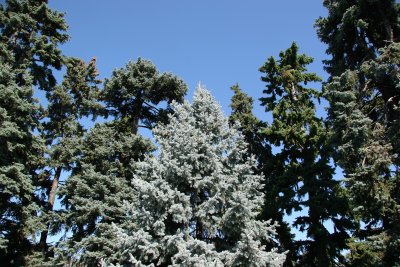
pixel 197 202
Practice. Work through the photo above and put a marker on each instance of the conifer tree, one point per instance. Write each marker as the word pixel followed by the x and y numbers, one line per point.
pixel 355 30
pixel 30 34
pixel 196 202
pixel 367 130
pixel 250 125
pixel 135 96
pixel 20 155
pixel 300 177
pixel 74 98
pixel 362 38
pixel 94 193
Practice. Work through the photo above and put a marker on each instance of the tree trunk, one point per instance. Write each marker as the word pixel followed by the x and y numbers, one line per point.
pixel 50 205
pixel 137 113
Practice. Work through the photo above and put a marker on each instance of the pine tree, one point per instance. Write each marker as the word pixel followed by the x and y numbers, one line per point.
pixel 20 153
pixel 75 98
pixel 135 96
pixel 367 130
pixel 299 176
pixel 30 34
pixel 197 201
pixel 362 38
pixel 355 30
pixel 94 193
pixel 250 125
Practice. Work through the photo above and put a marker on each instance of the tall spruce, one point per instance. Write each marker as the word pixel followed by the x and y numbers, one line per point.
pixel 363 92
pixel 30 33
pixel 299 176
pixel 95 192
pixel 355 30
pixel 135 96
pixel 366 136
pixel 196 202
pixel 250 125
pixel 20 156
pixel 76 97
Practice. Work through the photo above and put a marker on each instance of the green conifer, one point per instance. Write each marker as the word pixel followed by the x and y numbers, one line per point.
pixel 363 93
pixel 250 125
pixel 196 202
pixel 366 136
pixel 20 156
pixel 355 30
pixel 135 96
pixel 299 177
pixel 30 33
pixel 76 97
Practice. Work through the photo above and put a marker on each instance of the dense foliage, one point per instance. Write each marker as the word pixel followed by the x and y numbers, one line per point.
pixel 212 191
pixel 196 203
pixel 363 92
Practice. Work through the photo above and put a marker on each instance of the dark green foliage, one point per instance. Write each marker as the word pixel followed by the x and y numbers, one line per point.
pixel 133 93
pixel 99 186
pixel 298 175
pixel 97 189
pixel 354 30
pixel 250 125
pixel 75 98
pixel 367 131
pixel 363 93
pixel 30 34
pixel 20 156
pixel 39 146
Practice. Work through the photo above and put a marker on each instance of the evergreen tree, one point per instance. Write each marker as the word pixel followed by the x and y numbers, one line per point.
pixel 299 176
pixel 362 38
pixel 96 190
pixel 250 125
pixel 75 98
pixel 20 155
pixel 196 202
pixel 30 33
pixel 355 30
pixel 135 96
pixel 367 131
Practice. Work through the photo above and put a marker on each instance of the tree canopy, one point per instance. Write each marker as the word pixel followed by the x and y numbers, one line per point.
pixel 312 181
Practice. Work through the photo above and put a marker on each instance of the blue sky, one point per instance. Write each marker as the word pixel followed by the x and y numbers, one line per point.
pixel 219 43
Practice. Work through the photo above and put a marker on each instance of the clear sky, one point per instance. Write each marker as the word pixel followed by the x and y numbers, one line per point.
pixel 219 42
